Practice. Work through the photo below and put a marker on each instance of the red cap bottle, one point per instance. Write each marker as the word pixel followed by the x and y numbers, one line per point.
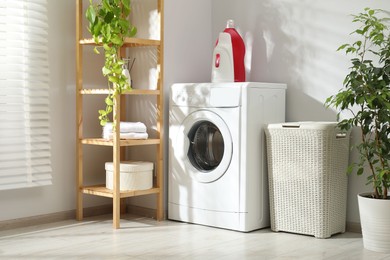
pixel 238 52
pixel 228 56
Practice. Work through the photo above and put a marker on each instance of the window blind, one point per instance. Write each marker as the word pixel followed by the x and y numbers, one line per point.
pixel 24 95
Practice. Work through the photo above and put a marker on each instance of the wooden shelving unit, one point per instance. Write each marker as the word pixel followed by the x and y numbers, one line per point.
pixel 119 107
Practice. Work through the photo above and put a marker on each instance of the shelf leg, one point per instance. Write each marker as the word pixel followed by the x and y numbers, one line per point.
pixel 116 157
pixel 79 113
pixel 116 214
pixel 79 208
pixel 160 110
pixel 79 182
pixel 160 195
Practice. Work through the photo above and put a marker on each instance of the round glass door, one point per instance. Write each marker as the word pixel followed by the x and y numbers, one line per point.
pixel 205 145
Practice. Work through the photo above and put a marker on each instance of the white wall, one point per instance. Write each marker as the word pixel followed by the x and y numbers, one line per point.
pixel 188 41
pixel 61 195
pixel 295 42
pixel 187 51
pixel 290 41
pixel 187 58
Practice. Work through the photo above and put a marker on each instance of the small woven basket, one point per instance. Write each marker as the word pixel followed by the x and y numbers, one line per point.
pixel 307 163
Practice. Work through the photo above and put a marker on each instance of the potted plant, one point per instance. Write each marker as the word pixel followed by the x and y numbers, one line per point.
pixel 109 26
pixel 366 95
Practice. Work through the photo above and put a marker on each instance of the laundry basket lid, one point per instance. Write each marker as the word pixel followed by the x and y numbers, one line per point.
pixel 304 125
pixel 130 166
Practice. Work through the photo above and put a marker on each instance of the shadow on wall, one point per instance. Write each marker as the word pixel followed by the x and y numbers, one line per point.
pixel 293 43
pixel 267 46
pixel 296 43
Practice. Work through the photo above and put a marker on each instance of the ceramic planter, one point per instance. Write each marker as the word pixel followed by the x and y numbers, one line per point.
pixel 375 222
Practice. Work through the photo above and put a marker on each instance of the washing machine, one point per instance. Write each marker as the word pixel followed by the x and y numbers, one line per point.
pixel 217 161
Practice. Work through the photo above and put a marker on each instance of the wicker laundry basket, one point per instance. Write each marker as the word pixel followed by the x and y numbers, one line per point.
pixel 307 163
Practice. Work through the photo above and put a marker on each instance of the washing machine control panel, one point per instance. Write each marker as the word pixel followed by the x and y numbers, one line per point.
pixel 206 95
pixel 191 95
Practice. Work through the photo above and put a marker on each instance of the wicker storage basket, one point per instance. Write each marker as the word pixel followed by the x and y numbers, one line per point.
pixel 307 163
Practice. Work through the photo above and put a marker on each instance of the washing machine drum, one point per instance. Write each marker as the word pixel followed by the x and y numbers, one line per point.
pixel 206 146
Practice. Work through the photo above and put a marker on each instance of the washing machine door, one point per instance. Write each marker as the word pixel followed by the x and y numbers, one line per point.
pixel 206 144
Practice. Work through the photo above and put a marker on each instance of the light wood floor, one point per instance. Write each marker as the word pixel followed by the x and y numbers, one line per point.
pixel 142 238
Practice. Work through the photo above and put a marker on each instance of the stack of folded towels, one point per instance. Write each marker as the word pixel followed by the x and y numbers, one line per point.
pixel 128 130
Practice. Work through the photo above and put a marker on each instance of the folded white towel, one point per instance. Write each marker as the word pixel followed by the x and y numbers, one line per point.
pixel 126 127
pixel 142 136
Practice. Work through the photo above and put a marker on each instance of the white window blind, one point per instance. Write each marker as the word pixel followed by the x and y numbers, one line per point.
pixel 24 94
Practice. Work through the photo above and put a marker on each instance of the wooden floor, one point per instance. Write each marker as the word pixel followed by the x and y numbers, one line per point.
pixel 142 238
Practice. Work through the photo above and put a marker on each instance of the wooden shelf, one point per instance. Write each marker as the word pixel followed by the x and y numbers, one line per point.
pixel 124 142
pixel 109 91
pixel 129 42
pixel 101 190
pixel 119 113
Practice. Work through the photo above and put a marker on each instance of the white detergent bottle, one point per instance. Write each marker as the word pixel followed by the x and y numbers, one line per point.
pixel 223 66
pixel 228 56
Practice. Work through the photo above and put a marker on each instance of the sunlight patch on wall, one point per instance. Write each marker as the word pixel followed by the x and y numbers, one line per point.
pixel 316 68
pixel 145 17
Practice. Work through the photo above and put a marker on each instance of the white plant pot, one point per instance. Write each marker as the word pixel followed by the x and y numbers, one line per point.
pixel 375 222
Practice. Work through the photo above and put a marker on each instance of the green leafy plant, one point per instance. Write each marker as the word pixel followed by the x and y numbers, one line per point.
pixel 366 94
pixel 109 26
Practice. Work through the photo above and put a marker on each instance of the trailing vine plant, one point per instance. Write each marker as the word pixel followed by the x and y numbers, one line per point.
pixel 109 26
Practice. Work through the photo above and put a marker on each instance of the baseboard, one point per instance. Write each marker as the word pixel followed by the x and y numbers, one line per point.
pixel 70 214
pixel 353 227
pixel 141 211
pixel 102 210
pixel 53 217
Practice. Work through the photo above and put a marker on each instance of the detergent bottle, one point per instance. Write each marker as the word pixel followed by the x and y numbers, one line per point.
pixel 228 56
